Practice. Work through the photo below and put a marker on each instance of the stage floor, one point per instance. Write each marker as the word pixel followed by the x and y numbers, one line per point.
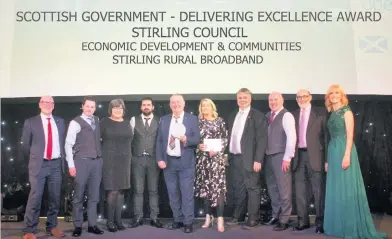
pixel 12 230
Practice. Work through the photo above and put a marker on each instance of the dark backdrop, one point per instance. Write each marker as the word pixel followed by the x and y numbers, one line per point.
pixel 373 138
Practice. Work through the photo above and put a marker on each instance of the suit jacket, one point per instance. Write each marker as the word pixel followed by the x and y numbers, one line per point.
pixel 188 157
pixel 33 138
pixel 254 137
pixel 316 137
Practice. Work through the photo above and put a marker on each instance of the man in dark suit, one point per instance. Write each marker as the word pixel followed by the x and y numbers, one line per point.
pixel 247 144
pixel 43 143
pixel 311 126
pixel 145 128
pixel 175 154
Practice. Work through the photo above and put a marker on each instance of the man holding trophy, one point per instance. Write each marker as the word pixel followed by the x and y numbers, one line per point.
pixel 177 140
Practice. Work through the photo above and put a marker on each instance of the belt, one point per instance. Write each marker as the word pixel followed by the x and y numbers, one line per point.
pixel 52 159
pixel 145 154
pixel 302 149
pixel 176 157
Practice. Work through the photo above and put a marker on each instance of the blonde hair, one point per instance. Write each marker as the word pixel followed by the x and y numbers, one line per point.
pixel 213 106
pixel 343 100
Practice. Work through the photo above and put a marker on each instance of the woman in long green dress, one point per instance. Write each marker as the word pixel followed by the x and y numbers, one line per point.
pixel 347 212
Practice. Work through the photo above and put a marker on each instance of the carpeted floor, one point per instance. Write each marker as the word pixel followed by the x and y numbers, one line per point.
pixel 12 230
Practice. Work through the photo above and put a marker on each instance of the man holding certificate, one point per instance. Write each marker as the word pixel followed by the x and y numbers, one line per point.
pixel 177 139
pixel 248 141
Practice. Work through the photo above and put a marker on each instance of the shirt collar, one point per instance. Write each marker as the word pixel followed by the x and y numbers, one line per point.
pixel 44 117
pixel 246 110
pixel 144 117
pixel 181 115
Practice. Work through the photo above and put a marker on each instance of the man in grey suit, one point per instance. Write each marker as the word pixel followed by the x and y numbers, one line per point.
pixel 43 143
pixel 247 143
pixel 282 139
pixel 84 157
pixel 311 126
pixel 145 128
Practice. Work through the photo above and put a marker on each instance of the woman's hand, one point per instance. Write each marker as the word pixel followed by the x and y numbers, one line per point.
pixel 202 147
pixel 213 153
pixel 346 162
pixel 326 167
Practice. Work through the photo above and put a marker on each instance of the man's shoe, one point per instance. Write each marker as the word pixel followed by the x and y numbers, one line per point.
pixel 320 229
pixel 95 230
pixel 301 228
pixel 271 222
pixel 175 225
pixel 136 223
pixel 156 223
pixel 77 232
pixel 281 227
pixel 188 228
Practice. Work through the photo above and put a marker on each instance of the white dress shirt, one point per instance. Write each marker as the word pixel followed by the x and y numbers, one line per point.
pixel 238 129
pixel 133 120
pixel 304 113
pixel 56 152
pixel 288 123
pixel 176 152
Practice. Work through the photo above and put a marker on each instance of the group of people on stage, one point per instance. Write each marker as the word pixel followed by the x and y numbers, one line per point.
pixel 303 144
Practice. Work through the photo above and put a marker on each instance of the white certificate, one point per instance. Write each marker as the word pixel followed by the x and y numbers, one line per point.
pixel 213 145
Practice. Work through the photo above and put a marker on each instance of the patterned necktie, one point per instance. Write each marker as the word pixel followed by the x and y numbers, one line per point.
pixel 302 129
pixel 49 146
pixel 172 142
pixel 271 117
pixel 92 122
pixel 146 125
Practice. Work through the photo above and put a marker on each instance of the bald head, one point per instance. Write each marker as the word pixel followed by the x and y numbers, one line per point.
pixel 303 98
pixel 275 100
pixel 46 104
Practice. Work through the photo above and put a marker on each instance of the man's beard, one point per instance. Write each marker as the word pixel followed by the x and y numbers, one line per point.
pixel 147 113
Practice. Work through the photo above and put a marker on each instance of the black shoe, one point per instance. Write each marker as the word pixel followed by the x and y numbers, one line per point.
pixel 111 227
pixel 188 228
pixel 156 223
pixel 95 230
pixel 281 226
pixel 252 223
pixel 119 226
pixel 77 232
pixel 136 223
pixel 271 222
pixel 301 228
pixel 175 225
pixel 320 229
pixel 233 221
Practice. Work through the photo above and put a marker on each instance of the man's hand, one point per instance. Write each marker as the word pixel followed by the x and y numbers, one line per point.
pixel 182 139
pixel 72 172
pixel 162 164
pixel 285 166
pixel 256 167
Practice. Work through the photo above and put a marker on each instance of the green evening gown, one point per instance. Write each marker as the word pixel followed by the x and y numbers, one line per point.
pixel 347 212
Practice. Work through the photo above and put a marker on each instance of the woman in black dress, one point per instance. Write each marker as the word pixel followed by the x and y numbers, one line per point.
pixel 210 182
pixel 116 135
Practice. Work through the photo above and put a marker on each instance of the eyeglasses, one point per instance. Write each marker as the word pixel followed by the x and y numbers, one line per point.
pixel 118 108
pixel 299 97
pixel 47 102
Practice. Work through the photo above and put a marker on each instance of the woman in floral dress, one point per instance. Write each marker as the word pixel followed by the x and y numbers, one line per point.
pixel 210 182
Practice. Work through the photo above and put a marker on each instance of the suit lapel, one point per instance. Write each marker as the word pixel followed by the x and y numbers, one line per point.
pixel 40 127
pixel 312 117
pixel 296 117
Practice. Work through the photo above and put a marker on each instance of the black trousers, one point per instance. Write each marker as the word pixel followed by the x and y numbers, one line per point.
pixel 302 174
pixel 242 184
pixel 143 166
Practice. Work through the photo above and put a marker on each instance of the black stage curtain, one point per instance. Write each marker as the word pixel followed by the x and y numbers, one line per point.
pixel 373 138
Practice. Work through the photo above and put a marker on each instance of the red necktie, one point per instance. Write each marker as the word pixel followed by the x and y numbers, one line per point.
pixel 50 141
pixel 271 117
